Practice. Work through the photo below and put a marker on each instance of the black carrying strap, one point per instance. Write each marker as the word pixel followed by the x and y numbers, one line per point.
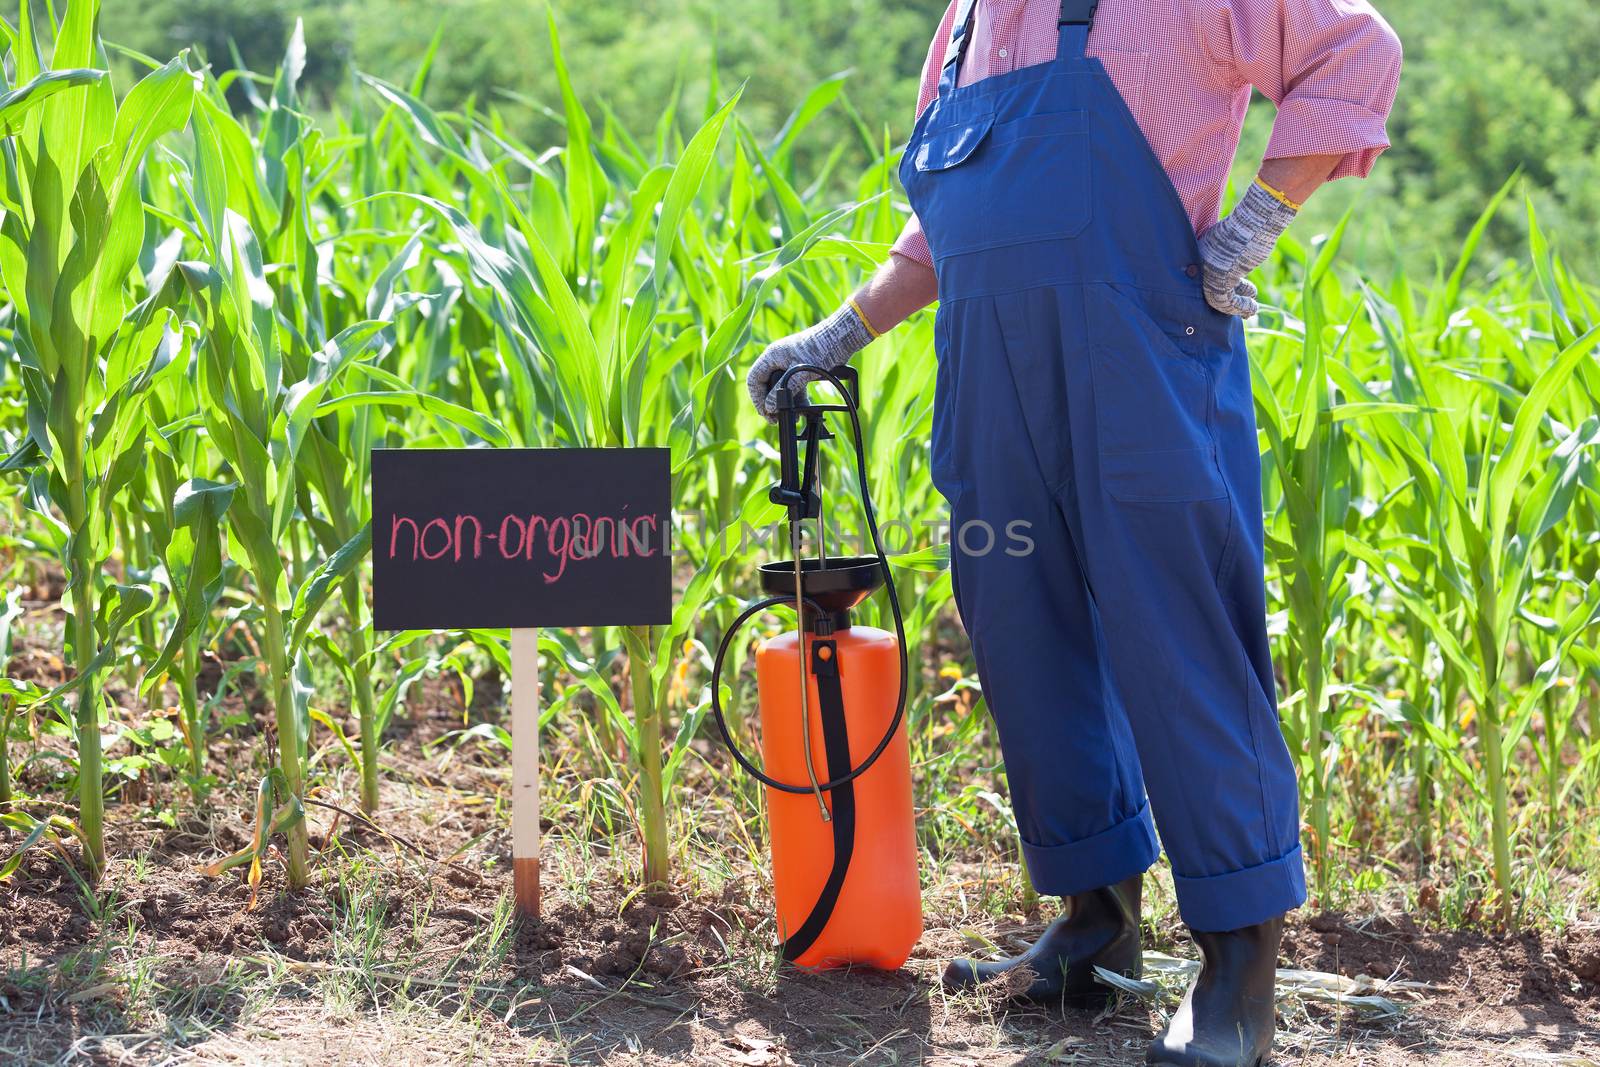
pixel 1073 13
pixel 836 743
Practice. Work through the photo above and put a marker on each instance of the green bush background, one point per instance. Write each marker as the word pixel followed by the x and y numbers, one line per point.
pixel 1489 87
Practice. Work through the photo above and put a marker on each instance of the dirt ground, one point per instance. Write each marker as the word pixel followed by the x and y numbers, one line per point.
pixel 403 952
pixel 613 980
pixel 412 962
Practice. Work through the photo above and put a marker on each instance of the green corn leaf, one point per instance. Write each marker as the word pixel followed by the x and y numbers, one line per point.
pixel 585 183
pixel 1519 450
pixel 326 721
pixel 17 104
pixel 468 420
pixel 48 829
pixel 157 105
pixel 1452 289
pixel 1443 635
pixel 311 595
pixel 563 649
pixel 433 131
pixel 932 560
pixel 1584 616
pixel 818 100
pixel 193 558
pixel 558 327
pixel 362 341
pixel 77 123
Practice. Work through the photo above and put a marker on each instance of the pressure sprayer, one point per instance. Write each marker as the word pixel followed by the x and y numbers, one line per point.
pixel 844 858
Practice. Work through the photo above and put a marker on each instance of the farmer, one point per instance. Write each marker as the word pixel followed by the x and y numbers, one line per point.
pixel 1065 172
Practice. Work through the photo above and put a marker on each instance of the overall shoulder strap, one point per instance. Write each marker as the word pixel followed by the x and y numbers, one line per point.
pixel 960 37
pixel 1077 19
pixel 1074 14
pixel 1078 12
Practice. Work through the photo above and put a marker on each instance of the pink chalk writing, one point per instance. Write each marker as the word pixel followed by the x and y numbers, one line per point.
pixel 554 541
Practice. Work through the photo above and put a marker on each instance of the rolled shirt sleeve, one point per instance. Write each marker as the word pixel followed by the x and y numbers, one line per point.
pixel 912 243
pixel 1331 66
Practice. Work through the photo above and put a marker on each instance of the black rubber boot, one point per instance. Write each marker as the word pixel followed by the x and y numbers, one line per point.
pixel 1227 1017
pixel 1101 928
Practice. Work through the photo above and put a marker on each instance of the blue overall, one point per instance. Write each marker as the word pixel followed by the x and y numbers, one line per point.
pixel 1094 434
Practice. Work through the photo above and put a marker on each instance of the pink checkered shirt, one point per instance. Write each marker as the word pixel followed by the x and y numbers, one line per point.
pixel 1186 67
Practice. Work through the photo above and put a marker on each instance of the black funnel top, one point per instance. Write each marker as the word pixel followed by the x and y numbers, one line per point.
pixel 845 582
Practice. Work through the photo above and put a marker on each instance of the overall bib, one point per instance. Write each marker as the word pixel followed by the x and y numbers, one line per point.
pixel 1094 434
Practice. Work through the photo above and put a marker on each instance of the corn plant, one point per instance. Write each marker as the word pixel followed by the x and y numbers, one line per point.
pixel 68 247
pixel 1554 696
pixel 191 531
pixel 1488 529
pixel 258 421
pixel 257 413
pixel 1310 456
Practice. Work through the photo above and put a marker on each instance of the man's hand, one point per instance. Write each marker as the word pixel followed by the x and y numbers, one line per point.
pixel 828 344
pixel 1239 244
pixel 899 287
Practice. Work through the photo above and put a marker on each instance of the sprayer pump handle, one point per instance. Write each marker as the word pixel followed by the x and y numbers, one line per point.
pixel 791 399
pixel 838 377
pixel 800 421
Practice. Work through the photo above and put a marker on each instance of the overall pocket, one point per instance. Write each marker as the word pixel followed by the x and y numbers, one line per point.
pixel 945 182
pixel 1153 404
pixel 976 183
pixel 1037 179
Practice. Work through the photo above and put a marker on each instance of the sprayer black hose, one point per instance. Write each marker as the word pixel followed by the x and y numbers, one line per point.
pixel 770 602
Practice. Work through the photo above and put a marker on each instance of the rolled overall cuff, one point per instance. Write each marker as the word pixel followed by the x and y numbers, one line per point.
pixel 1242 898
pixel 1124 850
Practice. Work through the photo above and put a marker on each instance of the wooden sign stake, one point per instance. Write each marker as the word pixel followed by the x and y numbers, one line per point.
pixel 525 770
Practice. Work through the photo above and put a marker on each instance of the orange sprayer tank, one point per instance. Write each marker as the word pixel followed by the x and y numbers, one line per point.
pixel 876 916
pixel 846 882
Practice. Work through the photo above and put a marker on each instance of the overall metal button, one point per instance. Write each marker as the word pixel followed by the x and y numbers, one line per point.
pixel 1192 271
pixel 1189 330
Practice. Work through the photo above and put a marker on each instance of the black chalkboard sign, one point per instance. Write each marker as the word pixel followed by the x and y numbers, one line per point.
pixel 521 537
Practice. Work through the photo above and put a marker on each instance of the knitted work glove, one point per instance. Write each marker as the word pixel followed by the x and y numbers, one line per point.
pixel 1238 245
pixel 828 344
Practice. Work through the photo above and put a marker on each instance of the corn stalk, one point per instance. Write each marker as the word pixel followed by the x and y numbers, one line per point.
pixel 68 247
